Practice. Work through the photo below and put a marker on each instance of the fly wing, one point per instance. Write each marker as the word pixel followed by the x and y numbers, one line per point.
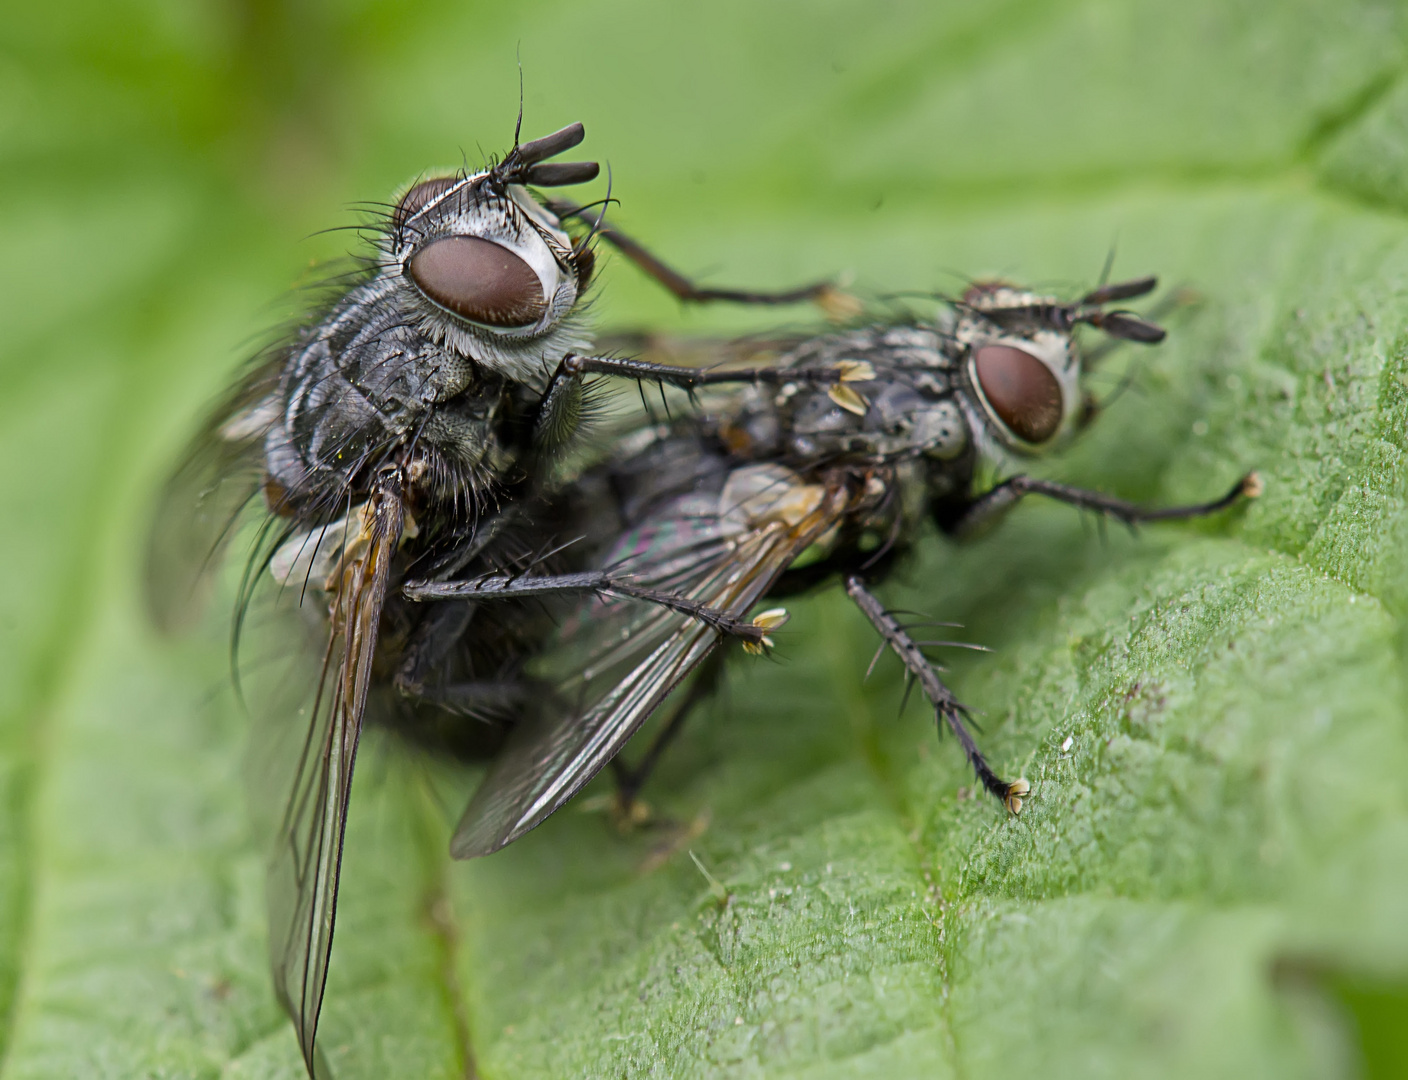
pixel 619 659
pixel 221 473
pixel 307 858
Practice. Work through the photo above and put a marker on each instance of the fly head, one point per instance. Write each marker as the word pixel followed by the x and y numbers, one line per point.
pixel 1021 361
pixel 486 271
pixel 463 315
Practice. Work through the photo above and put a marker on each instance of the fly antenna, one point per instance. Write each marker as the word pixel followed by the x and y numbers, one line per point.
pixel 518 127
pixel 601 217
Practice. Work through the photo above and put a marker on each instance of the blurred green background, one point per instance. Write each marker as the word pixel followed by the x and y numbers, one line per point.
pixel 1210 878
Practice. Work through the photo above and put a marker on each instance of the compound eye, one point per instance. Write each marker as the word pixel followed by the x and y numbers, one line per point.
pixel 1021 390
pixel 479 280
pixel 419 197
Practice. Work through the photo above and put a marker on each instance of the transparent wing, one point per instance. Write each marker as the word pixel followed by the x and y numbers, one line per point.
pixel 307 857
pixel 220 473
pixel 618 660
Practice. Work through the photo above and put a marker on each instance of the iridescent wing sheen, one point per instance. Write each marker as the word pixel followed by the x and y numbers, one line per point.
pixel 307 858
pixel 221 473
pixel 617 660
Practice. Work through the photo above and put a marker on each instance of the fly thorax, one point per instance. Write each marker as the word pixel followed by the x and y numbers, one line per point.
pixel 392 361
pixel 941 430
pixel 365 360
pixel 921 339
pixel 328 421
pixel 904 420
pixel 815 421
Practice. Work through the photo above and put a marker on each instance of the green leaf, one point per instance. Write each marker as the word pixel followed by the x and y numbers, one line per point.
pixel 1208 878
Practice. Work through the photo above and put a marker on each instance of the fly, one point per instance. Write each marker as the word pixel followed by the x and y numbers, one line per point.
pixel 412 427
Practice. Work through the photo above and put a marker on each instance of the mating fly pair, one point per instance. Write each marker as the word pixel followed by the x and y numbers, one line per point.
pixel 405 451
pixel 409 431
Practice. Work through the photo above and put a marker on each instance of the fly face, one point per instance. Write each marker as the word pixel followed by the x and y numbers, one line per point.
pixel 486 272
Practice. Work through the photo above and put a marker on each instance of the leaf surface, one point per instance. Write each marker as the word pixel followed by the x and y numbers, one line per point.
pixel 1214 717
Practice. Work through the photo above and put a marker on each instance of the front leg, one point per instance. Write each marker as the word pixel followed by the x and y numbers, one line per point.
pixel 946 707
pixel 559 411
pixel 505 586
pixel 823 294
pixel 690 378
pixel 988 507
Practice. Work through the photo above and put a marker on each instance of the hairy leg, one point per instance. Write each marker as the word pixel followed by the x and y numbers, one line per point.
pixel 503 586
pixel 947 708
pixel 991 505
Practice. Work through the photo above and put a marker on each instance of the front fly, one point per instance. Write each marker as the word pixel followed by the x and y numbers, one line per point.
pixel 412 427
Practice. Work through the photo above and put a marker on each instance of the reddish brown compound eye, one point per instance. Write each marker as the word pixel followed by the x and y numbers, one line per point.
pixel 479 280
pixel 1021 390
pixel 419 197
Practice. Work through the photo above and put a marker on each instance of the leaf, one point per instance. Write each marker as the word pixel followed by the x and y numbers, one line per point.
pixel 1207 879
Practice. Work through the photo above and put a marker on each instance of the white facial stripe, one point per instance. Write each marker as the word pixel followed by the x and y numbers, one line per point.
pixel 546 221
pixel 533 249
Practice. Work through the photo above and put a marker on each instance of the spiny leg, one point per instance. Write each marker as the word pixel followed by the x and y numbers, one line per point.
pixel 946 707
pixel 629 780
pixel 690 378
pixel 822 293
pixel 992 504
pixel 559 410
pixel 503 586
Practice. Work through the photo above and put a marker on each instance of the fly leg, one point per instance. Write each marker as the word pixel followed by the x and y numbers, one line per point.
pixel 503 586
pixel 441 629
pixel 947 708
pixel 691 378
pixel 992 504
pixel 822 293
pixel 559 412
pixel 629 780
